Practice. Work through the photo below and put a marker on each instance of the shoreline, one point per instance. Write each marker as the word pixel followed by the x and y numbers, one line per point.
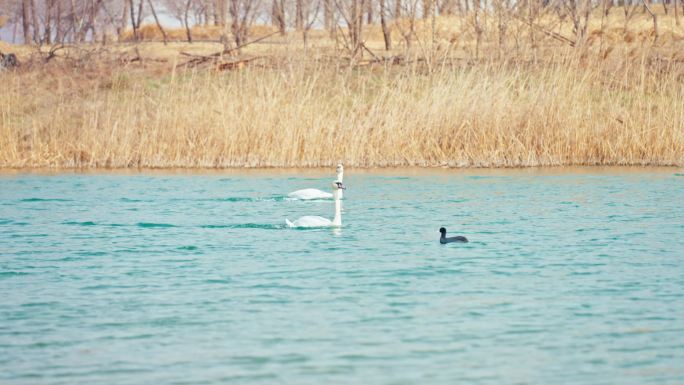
pixel 404 171
pixel 571 108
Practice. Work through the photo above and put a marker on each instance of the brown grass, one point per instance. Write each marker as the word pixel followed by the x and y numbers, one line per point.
pixel 617 104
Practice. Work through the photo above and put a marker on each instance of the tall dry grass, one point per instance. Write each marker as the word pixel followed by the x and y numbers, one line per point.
pixel 487 115
pixel 619 104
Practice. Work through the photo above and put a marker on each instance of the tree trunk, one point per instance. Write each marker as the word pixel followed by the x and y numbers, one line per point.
pixel 223 11
pixel 215 13
pixel 385 30
pixel 124 20
pixel 278 16
pixel 156 20
pixel 502 24
pixel 427 8
pixel 369 10
pixel 299 15
pixel 328 14
pixel 92 18
pixel 36 25
pixel 188 31
pixel 655 21
pixel 25 23
pixel 356 16
pixel 59 36
pixel 676 12
pixel 47 25
pixel 359 24
pixel 140 13
pixel 133 24
pixel 237 26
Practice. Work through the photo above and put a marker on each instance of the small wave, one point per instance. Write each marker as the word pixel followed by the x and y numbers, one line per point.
pixel 131 200
pixel 244 226
pixel 7 274
pixel 91 253
pixel 154 225
pixel 217 281
pixel 45 200
pixel 29 235
pixel 110 287
pixel 76 223
pixel 247 199
pixel 679 174
pixel 189 247
pixel 276 286
pixel 40 304
pixel 390 177
pixel 275 198
pixel 233 199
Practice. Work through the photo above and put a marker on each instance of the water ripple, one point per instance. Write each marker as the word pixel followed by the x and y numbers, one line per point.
pixel 134 279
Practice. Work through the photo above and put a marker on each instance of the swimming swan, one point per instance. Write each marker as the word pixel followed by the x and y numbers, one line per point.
pixel 316 221
pixel 312 193
pixel 443 238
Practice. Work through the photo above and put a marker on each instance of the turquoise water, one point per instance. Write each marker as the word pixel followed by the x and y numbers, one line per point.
pixel 571 277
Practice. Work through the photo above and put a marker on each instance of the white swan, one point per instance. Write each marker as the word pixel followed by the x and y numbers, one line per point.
pixel 316 221
pixel 312 193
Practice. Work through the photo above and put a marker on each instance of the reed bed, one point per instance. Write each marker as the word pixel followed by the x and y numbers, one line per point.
pixel 568 106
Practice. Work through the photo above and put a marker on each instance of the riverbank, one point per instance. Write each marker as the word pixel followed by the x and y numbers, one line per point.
pixel 606 103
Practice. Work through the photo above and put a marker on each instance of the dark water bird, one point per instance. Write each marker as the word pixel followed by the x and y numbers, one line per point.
pixel 443 238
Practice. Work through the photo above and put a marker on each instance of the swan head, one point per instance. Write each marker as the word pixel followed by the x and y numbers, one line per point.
pixel 442 230
pixel 337 185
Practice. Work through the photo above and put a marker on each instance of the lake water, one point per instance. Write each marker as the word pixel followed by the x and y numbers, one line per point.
pixel 572 276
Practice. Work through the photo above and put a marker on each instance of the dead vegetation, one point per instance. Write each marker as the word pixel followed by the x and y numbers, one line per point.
pixel 539 97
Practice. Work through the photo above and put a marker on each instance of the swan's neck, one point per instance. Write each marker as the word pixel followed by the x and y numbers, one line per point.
pixel 340 176
pixel 337 221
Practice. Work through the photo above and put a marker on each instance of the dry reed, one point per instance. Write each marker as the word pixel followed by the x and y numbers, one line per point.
pixel 621 106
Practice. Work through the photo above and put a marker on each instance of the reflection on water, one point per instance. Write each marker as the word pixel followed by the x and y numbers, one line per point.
pixel 571 276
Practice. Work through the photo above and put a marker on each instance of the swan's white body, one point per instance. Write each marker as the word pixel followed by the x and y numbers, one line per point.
pixel 310 221
pixel 316 221
pixel 312 193
pixel 309 194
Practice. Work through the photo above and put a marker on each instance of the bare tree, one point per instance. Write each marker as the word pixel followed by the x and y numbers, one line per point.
pixel 299 14
pixel 655 20
pixel 676 12
pixel 25 21
pixel 310 10
pixel 406 24
pixel 242 13
pixel 352 13
pixel 328 15
pixel 386 35
pixel 278 15
pixel 580 11
pixel 136 18
pixel 186 21
pixel 156 20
